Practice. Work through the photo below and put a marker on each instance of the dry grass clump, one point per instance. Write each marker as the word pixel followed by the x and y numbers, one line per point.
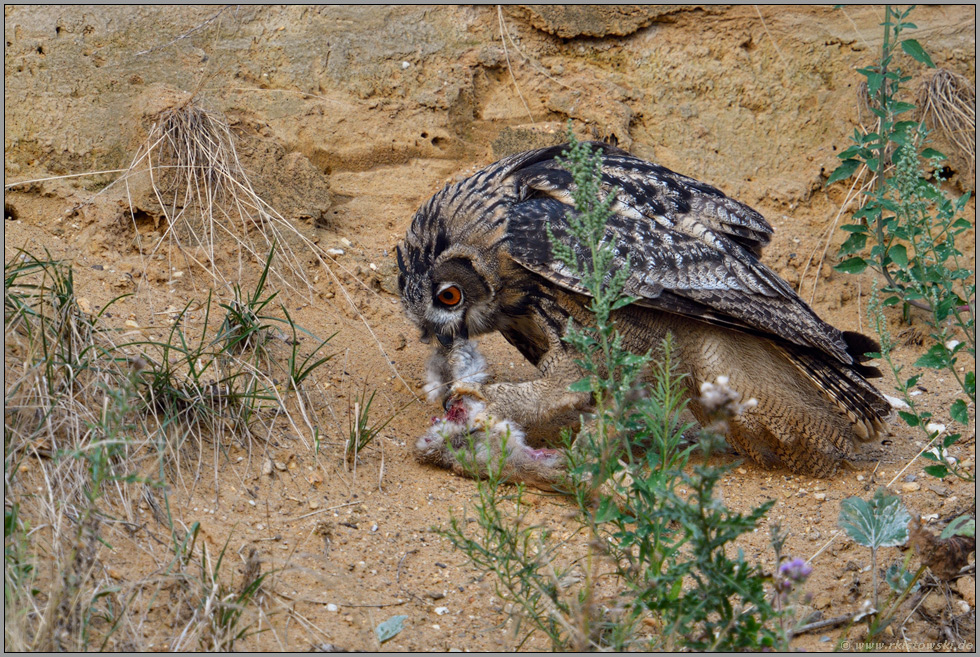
pixel 205 195
pixel 62 449
pixel 97 430
pixel 948 102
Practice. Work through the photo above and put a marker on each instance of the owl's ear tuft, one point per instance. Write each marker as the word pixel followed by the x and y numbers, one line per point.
pixel 400 258
pixel 402 269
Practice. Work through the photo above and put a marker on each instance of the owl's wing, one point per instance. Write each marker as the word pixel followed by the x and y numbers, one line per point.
pixel 690 249
pixel 648 190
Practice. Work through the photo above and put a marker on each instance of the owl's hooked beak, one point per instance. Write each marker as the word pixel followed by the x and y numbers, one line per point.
pixel 448 341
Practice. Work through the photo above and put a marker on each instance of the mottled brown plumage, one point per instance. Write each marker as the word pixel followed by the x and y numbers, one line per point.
pixel 477 259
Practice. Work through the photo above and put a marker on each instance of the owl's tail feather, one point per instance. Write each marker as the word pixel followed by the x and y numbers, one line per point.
pixel 858 347
pixel 846 385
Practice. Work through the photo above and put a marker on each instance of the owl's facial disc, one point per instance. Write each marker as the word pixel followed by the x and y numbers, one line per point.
pixel 457 289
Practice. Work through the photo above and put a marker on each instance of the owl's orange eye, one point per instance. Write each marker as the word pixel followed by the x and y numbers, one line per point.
pixel 450 296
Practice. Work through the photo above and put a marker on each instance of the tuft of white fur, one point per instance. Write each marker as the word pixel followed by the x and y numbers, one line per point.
pixel 463 364
pixel 513 434
pixel 436 375
pixel 467 365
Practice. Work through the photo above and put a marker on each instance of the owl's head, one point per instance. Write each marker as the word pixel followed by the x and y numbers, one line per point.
pixel 449 271
pixel 454 257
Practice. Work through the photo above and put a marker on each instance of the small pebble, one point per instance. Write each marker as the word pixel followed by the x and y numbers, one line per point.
pixel 346 242
pixel 442 611
pixel 332 607
pixel 860 477
pixel 820 497
pixel 910 486
pixel 967 587
pixel 335 252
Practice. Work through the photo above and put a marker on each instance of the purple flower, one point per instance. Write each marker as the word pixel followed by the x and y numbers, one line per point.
pixel 795 570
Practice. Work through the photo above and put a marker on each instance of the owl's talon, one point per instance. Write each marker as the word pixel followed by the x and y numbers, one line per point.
pixel 471 391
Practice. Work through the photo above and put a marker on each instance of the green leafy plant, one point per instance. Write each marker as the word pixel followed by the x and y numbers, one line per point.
pixel 223 607
pixel 964 525
pixel 68 410
pixel 298 366
pixel 899 578
pixel 523 558
pixel 877 523
pixel 906 230
pixel 388 629
pixel 17 565
pixel 880 522
pixel 656 533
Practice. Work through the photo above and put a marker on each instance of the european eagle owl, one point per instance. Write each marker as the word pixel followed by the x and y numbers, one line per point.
pixel 477 258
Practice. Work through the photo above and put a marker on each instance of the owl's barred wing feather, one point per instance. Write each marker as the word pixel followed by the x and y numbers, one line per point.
pixel 651 191
pixel 691 250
